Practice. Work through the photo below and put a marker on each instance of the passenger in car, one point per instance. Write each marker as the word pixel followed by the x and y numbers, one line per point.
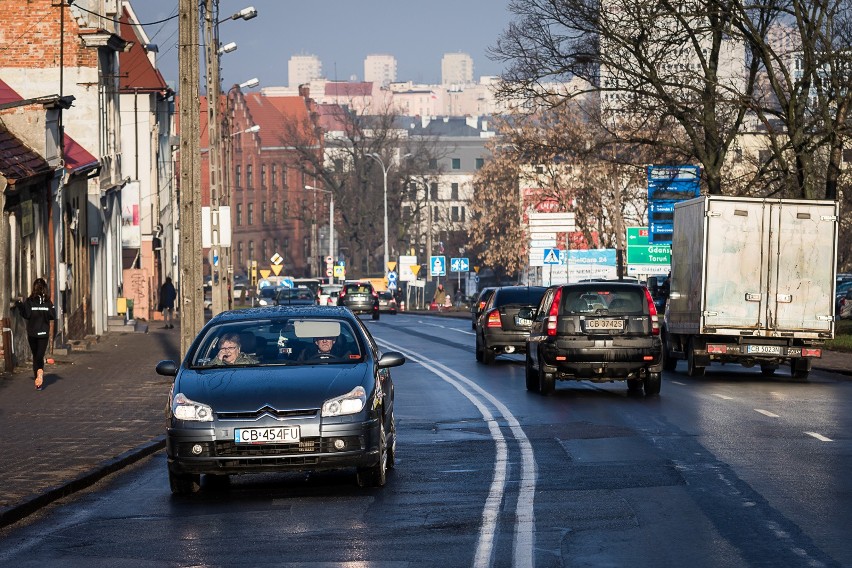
pixel 230 352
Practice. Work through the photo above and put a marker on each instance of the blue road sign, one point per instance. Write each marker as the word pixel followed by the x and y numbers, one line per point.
pixel 438 265
pixel 551 256
pixel 459 265
pixel 391 277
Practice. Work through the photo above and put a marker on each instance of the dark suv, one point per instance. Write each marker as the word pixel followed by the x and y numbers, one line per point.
pixel 500 329
pixel 597 331
pixel 360 297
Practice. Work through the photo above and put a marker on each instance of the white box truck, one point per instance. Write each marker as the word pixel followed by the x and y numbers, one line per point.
pixel 752 282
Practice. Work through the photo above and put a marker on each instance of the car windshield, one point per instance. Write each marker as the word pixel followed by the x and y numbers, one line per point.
pixel 604 300
pixel 279 341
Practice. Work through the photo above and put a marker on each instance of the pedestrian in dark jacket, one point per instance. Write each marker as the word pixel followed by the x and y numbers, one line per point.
pixel 39 311
pixel 168 294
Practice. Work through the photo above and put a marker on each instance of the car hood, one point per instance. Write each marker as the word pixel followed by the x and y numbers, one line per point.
pixel 282 388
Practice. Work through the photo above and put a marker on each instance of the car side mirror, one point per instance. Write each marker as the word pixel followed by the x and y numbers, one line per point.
pixel 167 368
pixel 391 359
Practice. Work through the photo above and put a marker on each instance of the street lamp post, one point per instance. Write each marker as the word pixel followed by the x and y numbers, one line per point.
pixel 330 224
pixel 385 169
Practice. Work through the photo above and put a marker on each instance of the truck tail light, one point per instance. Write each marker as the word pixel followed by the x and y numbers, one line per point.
pixel 553 314
pixel 811 352
pixel 494 319
pixel 718 349
pixel 652 309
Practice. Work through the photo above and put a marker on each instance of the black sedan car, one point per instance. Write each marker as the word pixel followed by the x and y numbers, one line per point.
pixel 499 328
pixel 281 389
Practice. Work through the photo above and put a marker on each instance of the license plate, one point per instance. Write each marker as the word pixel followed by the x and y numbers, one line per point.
pixel 523 321
pixel 280 435
pixel 764 349
pixel 605 324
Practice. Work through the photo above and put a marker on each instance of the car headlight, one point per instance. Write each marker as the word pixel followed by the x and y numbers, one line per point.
pixel 185 409
pixel 350 403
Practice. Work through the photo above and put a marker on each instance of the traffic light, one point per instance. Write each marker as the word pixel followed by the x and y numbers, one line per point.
pixel 253 273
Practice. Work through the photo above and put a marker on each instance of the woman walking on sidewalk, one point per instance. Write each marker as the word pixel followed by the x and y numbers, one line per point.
pixel 168 294
pixel 38 310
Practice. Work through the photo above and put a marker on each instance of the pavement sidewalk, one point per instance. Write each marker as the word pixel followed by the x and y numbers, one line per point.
pixel 103 409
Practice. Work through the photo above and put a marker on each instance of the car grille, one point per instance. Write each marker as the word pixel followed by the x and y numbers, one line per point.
pixel 269 411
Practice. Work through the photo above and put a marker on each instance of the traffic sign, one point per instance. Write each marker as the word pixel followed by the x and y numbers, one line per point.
pixel 459 265
pixel 391 265
pixel 391 277
pixel 276 258
pixel 339 271
pixel 551 256
pixel 438 265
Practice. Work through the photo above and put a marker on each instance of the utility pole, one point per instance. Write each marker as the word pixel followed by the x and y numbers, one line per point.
pixel 219 288
pixel 191 285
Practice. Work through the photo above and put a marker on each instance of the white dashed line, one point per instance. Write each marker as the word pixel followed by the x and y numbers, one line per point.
pixel 723 397
pixel 819 437
pixel 766 413
pixel 678 383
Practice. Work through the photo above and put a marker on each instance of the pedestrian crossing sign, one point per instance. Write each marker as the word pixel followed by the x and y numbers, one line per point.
pixel 551 256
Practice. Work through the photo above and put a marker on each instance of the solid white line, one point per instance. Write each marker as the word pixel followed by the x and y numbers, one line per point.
pixel 819 437
pixel 723 397
pixel 766 413
pixel 524 511
pixel 678 383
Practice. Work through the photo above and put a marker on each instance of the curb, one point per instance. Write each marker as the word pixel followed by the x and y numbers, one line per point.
pixel 29 506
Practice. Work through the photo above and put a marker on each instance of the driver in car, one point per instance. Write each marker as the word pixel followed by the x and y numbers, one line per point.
pixel 324 349
pixel 230 352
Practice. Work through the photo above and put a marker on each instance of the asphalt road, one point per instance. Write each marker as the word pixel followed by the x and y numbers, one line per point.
pixel 732 470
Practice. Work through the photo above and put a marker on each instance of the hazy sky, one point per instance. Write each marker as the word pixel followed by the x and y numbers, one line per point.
pixel 341 33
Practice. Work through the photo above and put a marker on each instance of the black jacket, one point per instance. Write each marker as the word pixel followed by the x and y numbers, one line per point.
pixel 38 312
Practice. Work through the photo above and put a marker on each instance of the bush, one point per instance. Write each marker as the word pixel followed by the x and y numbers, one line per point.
pixel 842 337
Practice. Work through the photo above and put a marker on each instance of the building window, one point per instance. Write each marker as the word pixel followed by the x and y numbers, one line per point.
pixel 433 163
pixel 263 176
pixel 406 213
pixel 479 163
pixel 274 181
pixel 455 214
pixel 456 163
pixel 454 191
pixel 264 249
pixel 240 252
pixel 249 180
pixel 263 213
pixel 275 212
pixel 238 177
pixel 239 214
pixel 250 215
pixel 462 213
pixel 276 246
pixel 433 191
pixel 284 176
pixel 251 251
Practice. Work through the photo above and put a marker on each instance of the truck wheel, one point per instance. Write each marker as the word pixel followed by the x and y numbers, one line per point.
pixel 800 368
pixel 546 381
pixel 531 375
pixel 692 369
pixel 669 362
pixel 653 382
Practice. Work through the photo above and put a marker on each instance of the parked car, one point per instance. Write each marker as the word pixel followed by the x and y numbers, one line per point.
pixel 839 293
pixel 596 331
pixel 387 303
pixel 845 310
pixel 295 297
pixel 271 409
pixel 500 329
pixel 360 297
pixel 478 303
pixel 328 294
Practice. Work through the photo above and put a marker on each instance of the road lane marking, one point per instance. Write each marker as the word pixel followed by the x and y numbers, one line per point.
pixel 524 509
pixel 766 413
pixel 678 383
pixel 464 331
pixel 723 397
pixel 819 437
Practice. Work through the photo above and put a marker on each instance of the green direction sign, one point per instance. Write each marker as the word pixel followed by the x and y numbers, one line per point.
pixel 649 254
pixel 639 251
